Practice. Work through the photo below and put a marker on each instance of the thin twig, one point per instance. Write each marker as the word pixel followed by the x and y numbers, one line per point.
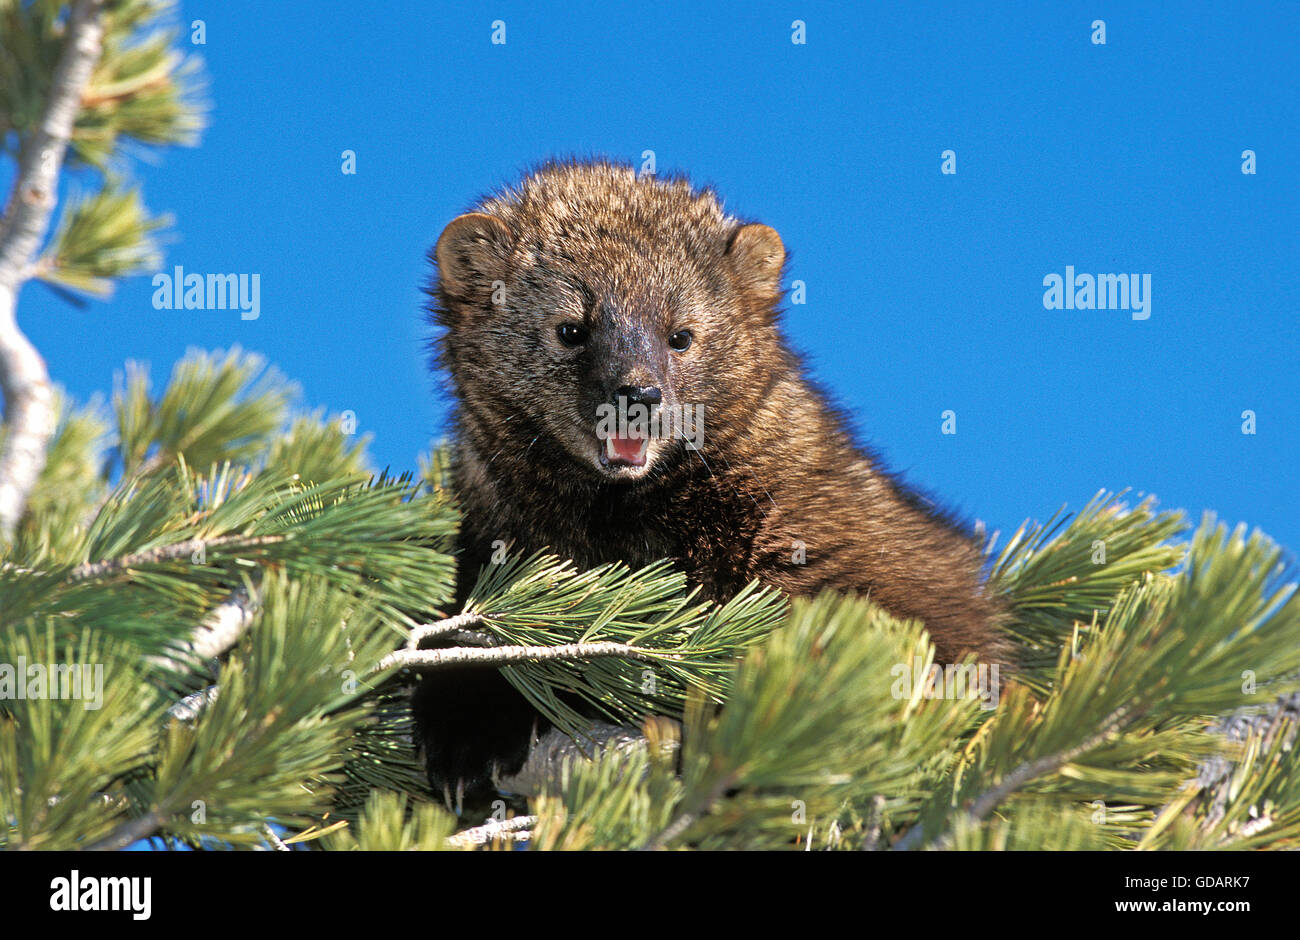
pixel 24 378
pixel 687 819
pixel 1044 765
pixel 991 799
pixel 129 832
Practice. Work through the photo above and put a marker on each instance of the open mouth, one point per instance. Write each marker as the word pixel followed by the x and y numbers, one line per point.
pixel 624 450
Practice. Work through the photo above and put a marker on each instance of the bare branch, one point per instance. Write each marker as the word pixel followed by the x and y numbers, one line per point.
pixel 515 829
pixel 189 708
pixel 110 566
pixel 275 841
pixel 133 831
pixel 218 632
pixel 472 638
pixel 428 660
pixel 426 631
pixel 24 379
pixel 875 819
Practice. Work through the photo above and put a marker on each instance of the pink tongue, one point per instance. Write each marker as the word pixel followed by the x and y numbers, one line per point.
pixel 627 449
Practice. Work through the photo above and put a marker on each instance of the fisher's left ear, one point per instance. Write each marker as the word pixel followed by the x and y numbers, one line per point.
pixel 757 255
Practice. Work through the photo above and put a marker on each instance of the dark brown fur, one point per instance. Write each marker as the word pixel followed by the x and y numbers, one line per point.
pixel 634 261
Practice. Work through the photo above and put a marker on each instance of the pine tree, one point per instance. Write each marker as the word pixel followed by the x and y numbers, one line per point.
pixel 251 599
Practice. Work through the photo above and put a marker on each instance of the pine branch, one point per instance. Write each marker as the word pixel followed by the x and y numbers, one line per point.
pixel 24 379
pixel 1247 795
pixel 1172 648
pixel 269 743
pixel 1132 659
pixel 64 500
pixel 1062 576
pixel 216 407
pixel 386 824
pixel 100 238
pixel 144 88
pixel 66 753
pixel 813 718
pixel 543 602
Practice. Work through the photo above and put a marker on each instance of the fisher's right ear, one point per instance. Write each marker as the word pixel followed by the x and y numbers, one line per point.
pixel 473 248
pixel 758 256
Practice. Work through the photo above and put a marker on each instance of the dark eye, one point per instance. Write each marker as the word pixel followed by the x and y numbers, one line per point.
pixel 681 340
pixel 571 334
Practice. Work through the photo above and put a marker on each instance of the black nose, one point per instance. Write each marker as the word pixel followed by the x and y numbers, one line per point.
pixel 641 394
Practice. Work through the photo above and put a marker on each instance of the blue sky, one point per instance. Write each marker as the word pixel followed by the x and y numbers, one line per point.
pixel 924 290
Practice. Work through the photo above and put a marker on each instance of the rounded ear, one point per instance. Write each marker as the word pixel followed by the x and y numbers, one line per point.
pixel 757 254
pixel 472 245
